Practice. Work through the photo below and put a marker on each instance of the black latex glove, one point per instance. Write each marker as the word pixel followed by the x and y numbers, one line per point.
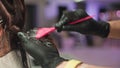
pixel 88 27
pixel 42 50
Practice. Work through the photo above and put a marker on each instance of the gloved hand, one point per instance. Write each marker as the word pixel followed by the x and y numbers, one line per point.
pixel 88 27
pixel 42 50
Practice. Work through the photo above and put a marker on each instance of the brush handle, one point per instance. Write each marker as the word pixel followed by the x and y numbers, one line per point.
pixel 81 20
pixel 44 31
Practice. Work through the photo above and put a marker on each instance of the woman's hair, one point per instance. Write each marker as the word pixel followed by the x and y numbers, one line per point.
pixel 12 20
pixel 13 14
pixel 13 17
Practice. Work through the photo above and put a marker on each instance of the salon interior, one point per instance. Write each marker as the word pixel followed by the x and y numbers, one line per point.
pixel 72 45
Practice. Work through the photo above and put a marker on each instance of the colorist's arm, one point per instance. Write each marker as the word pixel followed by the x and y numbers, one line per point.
pixel 104 29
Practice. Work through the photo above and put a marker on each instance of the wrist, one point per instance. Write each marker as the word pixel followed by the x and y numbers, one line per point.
pixel 62 64
pixel 105 29
pixel 54 63
pixel 101 29
pixel 70 64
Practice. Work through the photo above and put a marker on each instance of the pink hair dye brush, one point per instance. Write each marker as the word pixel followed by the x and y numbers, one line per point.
pixel 44 31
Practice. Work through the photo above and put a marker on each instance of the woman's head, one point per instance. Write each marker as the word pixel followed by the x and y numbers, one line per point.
pixel 12 18
pixel 12 14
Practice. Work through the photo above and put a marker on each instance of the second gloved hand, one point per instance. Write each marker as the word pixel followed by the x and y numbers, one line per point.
pixel 42 50
pixel 88 27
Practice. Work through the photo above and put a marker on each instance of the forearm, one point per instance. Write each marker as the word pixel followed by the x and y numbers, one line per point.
pixel 90 66
pixel 114 29
pixel 83 65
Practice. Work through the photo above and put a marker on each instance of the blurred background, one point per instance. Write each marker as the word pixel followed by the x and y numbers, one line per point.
pixel 71 45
